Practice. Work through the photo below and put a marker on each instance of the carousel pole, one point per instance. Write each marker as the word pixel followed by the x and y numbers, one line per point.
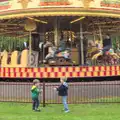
pixel 30 25
pixel 71 45
pixel 70 37
pixel 56 32
pixel 43 49
pixel 30 46
pixel 94 33
pixel 100 33
pixel 94 36
pixel 81 43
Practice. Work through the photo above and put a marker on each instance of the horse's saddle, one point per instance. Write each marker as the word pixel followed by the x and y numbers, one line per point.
pixel 109 52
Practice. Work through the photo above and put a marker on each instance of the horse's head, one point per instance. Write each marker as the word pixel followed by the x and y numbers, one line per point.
pixel 91 43
pixel 48 44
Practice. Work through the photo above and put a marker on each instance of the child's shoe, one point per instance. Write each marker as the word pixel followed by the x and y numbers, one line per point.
pixel 37 110
pixel 33 109
pixel 66 111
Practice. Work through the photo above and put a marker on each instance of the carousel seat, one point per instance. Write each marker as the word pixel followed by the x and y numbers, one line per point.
pixel 13 61
pixel 24 59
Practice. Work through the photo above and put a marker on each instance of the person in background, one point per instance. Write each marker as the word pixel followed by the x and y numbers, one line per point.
pixel 41 47
pixel 26 44
pixel 107 43
pixel 68 45
pixel 35 91
pixel 62 46
pixel 98 44
pixel 63 92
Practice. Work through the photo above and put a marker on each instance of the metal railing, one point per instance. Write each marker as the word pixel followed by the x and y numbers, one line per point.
pixel 79 92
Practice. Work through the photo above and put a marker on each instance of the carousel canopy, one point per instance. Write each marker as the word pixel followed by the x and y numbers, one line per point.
pixel 16 27
pixel 32 8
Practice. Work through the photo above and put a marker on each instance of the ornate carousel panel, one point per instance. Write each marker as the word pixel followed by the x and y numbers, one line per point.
pixel 25 4
pixel 21 8
pixel 105 4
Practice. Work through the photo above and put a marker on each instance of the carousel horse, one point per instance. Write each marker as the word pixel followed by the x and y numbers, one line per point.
pixel 92 49
pixel 108 57
pixel 95 53
pixel 110 52
pixel 51 50
pixel 118 48
pixel 118 52
pixel 59 58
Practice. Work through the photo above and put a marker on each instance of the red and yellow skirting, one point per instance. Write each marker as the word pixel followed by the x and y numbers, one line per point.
pixel 57 72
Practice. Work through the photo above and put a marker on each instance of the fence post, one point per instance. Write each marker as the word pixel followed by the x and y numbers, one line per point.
pixel 43 93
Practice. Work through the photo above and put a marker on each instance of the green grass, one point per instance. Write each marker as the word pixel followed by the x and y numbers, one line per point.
pixel 17 111
pixel 107 99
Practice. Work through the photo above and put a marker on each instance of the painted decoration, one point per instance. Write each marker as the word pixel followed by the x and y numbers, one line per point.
pixel 14 5
pixel 106 4
pixel 4 4
pixel 75 3
pixel 14 58
pixel 25 4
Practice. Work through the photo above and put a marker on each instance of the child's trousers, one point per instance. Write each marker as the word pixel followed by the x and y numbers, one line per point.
pixel 64 101
pixel 35 103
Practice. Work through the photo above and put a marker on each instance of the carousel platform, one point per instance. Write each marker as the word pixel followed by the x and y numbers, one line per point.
pixel 57 72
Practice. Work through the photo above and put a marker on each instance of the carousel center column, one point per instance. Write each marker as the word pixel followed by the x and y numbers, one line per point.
pixel 56 31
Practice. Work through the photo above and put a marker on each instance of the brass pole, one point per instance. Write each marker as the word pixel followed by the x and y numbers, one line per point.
pixel 30 47
pixel 81 43
pixel 100 33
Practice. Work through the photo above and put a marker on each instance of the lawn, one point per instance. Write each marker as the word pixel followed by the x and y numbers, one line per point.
pixel 17 111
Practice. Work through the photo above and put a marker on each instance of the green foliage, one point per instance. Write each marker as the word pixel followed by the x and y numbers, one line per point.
pixel 116 42
pixel 12 43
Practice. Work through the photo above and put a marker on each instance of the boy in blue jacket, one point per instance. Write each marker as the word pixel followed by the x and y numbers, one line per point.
pixel 63 92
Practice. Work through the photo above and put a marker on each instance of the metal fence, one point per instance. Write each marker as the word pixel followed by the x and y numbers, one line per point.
pixel 79 92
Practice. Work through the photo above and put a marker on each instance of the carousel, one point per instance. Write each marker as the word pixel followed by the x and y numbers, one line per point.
pixel 55 38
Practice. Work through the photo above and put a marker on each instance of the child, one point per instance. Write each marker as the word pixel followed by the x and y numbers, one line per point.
pixel 63 92
pixel 35 94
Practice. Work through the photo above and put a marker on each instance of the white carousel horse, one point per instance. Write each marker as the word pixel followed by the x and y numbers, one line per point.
pixel 51 50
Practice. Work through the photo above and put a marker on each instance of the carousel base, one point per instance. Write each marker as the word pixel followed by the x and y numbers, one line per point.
pixel 57 72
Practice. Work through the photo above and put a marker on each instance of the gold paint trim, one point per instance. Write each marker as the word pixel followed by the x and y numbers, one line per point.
pixel 31 14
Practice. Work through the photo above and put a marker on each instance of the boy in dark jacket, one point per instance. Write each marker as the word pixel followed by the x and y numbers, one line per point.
pixel 63 92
